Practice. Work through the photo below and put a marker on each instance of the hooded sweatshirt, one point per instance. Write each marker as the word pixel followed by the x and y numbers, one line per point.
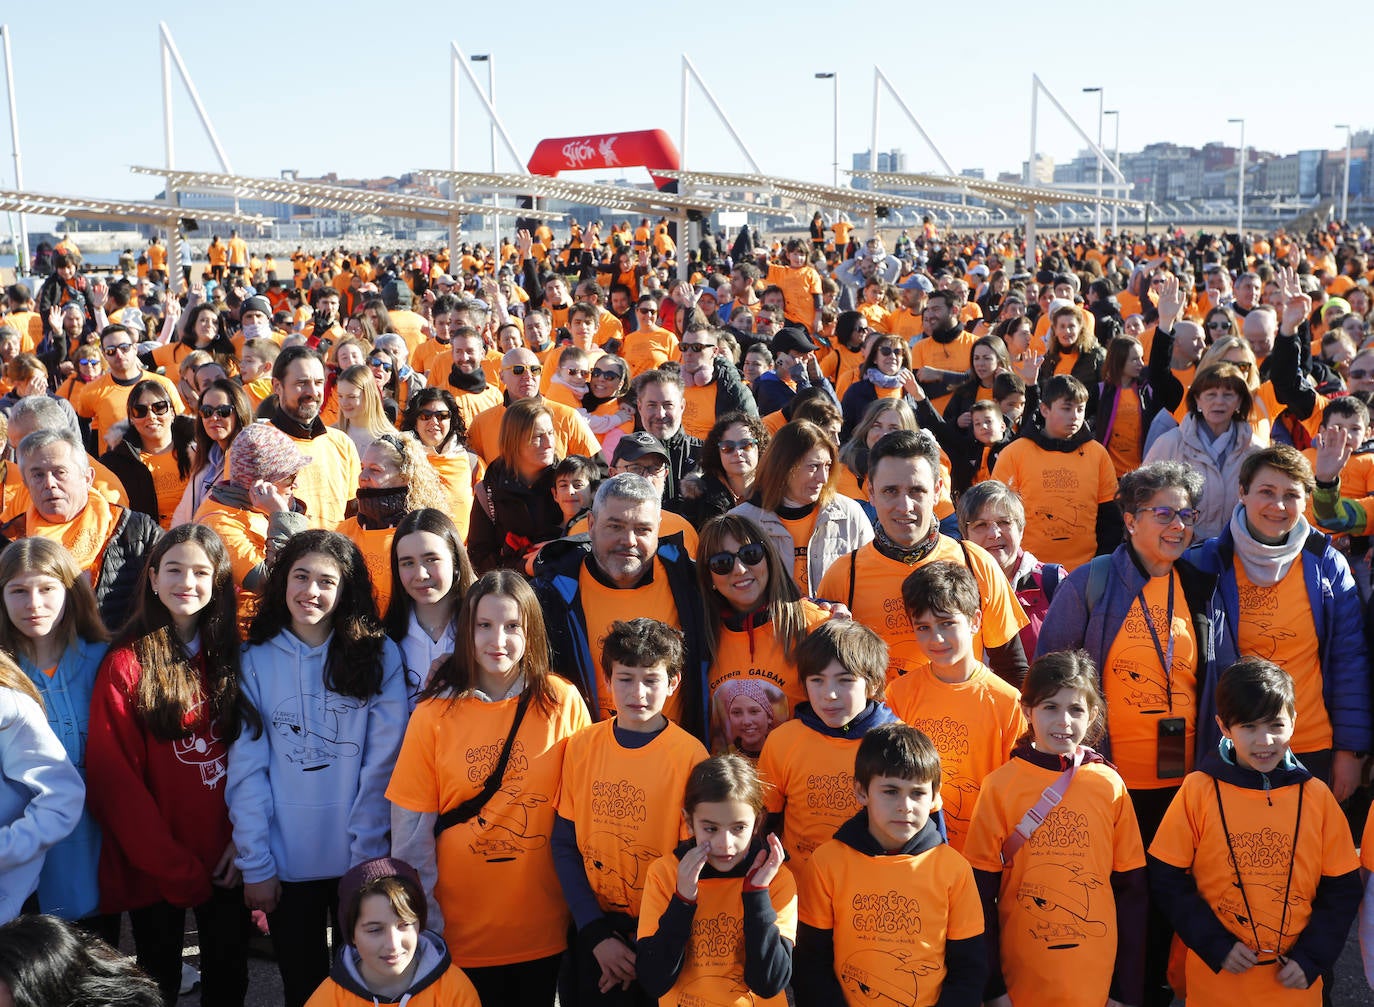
pixel 438 982
pixel 1300 907
pixel 307 795
pixel 907 922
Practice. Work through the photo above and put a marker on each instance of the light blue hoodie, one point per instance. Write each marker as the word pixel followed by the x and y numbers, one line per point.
pixel 68 887
pixel 307 797
pixel 41 797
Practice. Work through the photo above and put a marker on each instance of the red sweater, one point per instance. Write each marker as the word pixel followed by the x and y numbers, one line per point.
pixel 160 804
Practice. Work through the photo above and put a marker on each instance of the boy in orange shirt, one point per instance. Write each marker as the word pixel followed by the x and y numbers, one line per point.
pixel 618 810
pixel 1066 479
pixel 1263 923
pixel 972 716
pixel 809 761
pixel 888 910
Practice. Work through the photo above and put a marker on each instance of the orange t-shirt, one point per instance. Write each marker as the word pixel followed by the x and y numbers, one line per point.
pixel 699 410
pixel 800 288
pixel 891 918
pixel 755 656
pixel 375 545
pixel 1261 824
pixel 1056 908
pixel 877 599
pixel 955 355
pixel 645 349
pixel 1138 692
pixel 810 776
pixel 501 857
pixel 1123 446
pixel 713 965
pixel 1061 491
pixel 800 529
pixel 974 724
pixel 1276 623
pixel 602 606
pixel 626 806
pixel 168 483
pixel 455 472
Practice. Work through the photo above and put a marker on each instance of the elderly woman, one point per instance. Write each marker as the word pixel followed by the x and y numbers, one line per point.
pixel 991 515
pixel 795 502
pixel 1150 621
pixel 1289 597
pixel 514 509
pixel 1214 439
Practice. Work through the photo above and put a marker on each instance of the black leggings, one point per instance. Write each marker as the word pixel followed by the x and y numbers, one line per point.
pixel 221 925
pixel 528 984
pixel 300 936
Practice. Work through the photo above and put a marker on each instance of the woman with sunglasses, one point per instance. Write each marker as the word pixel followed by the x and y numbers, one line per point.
pixel 1219 323
pixel 89 363
pixel 153 459
pixel 606 406
pixel 1154 626
pixel 224 412
pixel 361 415
pixel 729 466
pixel 885 371
pixel 755 618
pixel 433 417
pixel 382 363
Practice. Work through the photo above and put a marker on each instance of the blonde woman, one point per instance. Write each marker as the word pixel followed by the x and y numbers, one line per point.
pixel 360 407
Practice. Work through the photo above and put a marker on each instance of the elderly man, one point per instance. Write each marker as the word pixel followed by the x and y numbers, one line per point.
pixel 643 454
pixel 520 373
pixel 622 568
pixel 107 540
pixel 47 413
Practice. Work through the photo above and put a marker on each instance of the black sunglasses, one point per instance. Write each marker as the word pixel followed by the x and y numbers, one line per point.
pixel 379 362
pixel 723 562
pixel 223 412
pixel 141 409
pixel 611 375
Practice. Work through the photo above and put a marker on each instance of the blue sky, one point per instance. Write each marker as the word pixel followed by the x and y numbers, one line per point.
pixel 340 88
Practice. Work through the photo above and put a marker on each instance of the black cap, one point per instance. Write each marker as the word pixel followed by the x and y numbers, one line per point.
pixel 791 339
pixel 636 445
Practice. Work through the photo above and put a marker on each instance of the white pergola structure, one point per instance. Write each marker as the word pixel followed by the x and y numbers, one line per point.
pixel 612 197
pixel 322 196
pixel 1024 199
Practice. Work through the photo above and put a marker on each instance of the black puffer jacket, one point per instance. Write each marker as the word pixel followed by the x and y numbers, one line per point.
pixel 508 516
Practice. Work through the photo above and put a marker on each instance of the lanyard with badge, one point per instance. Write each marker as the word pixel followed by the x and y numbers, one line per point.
pixel 1171 733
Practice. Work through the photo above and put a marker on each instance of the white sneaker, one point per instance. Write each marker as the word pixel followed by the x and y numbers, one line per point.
pixel 190 979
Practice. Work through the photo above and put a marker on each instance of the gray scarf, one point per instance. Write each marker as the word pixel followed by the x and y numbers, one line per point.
pixel 1266 565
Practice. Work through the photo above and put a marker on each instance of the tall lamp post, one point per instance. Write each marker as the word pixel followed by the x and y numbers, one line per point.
pixel 1116 154
pixel 1345 193
pixel 1240 184
pixel 1097 214
pixel 834 79
pixel 486 57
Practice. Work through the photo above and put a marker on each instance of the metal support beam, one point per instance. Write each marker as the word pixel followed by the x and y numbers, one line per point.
pixel 21 250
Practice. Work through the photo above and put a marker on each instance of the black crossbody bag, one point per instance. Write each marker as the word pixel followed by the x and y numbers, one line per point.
pixel 469 808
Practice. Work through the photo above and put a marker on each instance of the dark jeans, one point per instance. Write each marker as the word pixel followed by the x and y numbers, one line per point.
pixel 1150 806
pixel 527 984
pixel 300 936
pixel 581 973
pixel 160 936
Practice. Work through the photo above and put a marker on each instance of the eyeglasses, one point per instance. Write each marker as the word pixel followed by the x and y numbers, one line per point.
pixel 141 409
pixel 519 369
pixel 1243 365
pixel 379 362
pixel 89 361
pixel 210 412
pixel 888 350
pixel 114 351
pixel 1166 515
pixel 1359 374
pixel 723 562
pixel 697 347
pixel 745 444
pixel 575 372
pixel 646 310
pixel 1219 325
pixel 442 415
pixel 645 469
pixel 611 375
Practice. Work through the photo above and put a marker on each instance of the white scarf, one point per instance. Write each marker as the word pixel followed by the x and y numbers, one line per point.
pixel 1266 565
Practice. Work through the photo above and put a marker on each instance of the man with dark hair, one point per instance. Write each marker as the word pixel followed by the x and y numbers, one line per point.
pixel 326 486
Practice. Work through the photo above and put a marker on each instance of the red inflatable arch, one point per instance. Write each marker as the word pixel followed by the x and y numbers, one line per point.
pixel 649 148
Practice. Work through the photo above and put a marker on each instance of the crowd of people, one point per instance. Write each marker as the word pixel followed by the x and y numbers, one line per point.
pixel 793 620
